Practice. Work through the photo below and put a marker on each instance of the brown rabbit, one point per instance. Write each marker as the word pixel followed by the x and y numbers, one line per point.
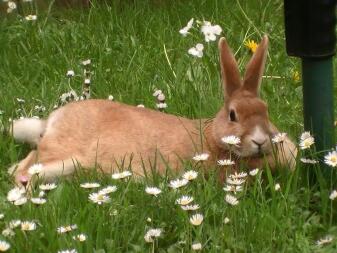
pixel 102 134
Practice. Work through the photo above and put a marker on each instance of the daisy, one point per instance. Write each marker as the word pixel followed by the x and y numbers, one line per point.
pixel 4 246
pixel 141 106
pixel 14 224
pixel 80 237
pixel 197 51
pixel 161 97
pixel 121 175
pixel 110 97
pixel 277 187
pixel 47 187
pixel 38 201
pixel 210 31
pixel 238 175
pixel 175 184
pixel 190 207
pixel 251 45
pixel 15 194
pixel 1 216
pixel 108 189
pixel 21 201
pixel 152 234
pixel 8 232
pixel 184 200
pixel 35 169
pixel 196 246
pixel 190 175
pixel 325 240
pixel 42 194
pixel 230 199
pixel 67 251
pixel 305 135
pixel 152 191
pixel 279 138
pixel 28 226
pixel 333 195
pixel 254 172
pixel 233 188
pixel 226 162
pixel 99 198
pixel 184 30
pixel 331 159
pixel 31 17
pixel 310 161
pixel 306 143
pixel 196 219
pixel 161 105
pixel 87 81
pixel 70 73
pixel 66 229
pixel 90 185
pixel 231 140
pixel 235 181
pixel 226 220
pixel 201 157
pixel 157 93
pixel 20 100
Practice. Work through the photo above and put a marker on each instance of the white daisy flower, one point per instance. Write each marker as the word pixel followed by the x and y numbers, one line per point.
pixel 66 229
pixel 161 105
pixel 175 184
pixel 333 195
pixel 35 169
pixel 277 187
pixel 2 216
pixel 15 194
pixel 38 201
pixel 21 201
pixel 90 185
pixel 184 30
pixel 210 31
pixel 230 199
pixel 235 181
pixel 121 175
pixel 306 143
pixel 233 188
pixel 47 187
pixel 196 219
pixel 152 191
pixel 310 161
pixel 226 220
pixel 190 175
pixel 99 198
pixel 196 246
pixel 325 240
pixel 110 97
pixel 231 140
pixel 70 73
pixel 197 51
pixel 161 97
pixel 201 157
pixel 86 62
pixel 14 224
pixel 149 219
pixel 226 162
pixel 141 106
pixel 331 159
pixel 80 237
pixel 8 232
pixel 151 234
pixel 279 138
pixel 254 172
pixel 20 100
pixel 28 225
pixel 11 5
pixel 305 135
pixel 67 251
pixel 238 175
pixel 108 189
pixel 42 194
pixel 4 246
pixel 190 207
pixel 184 200
pixel 157 93
pixel 31 17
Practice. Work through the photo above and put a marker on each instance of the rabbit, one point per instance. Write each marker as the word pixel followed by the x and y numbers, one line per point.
pixel 102 134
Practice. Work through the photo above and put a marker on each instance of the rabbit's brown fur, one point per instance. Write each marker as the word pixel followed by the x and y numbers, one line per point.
pixel 102 134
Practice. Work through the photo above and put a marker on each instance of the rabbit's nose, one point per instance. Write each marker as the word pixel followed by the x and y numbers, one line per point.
pixel 259 143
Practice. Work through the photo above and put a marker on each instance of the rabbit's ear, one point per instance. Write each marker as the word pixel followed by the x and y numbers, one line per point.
pixel 229 69
pixel 255 67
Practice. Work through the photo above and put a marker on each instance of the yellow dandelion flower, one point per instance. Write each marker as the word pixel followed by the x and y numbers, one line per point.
pixel 251 45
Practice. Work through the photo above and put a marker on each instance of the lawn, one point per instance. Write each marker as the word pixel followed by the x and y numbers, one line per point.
pixel 135 48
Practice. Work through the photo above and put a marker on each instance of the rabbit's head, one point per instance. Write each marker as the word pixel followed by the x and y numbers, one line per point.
pixel 244 114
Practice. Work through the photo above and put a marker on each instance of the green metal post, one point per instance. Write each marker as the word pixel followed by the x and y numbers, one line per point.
pixel 317 76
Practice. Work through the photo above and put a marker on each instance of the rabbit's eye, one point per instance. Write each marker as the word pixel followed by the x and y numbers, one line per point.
pixel 232 115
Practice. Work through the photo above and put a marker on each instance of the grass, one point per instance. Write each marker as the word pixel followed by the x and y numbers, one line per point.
pixel 135 47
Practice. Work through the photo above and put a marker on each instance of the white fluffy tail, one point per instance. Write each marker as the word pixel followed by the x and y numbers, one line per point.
pixel 29 130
